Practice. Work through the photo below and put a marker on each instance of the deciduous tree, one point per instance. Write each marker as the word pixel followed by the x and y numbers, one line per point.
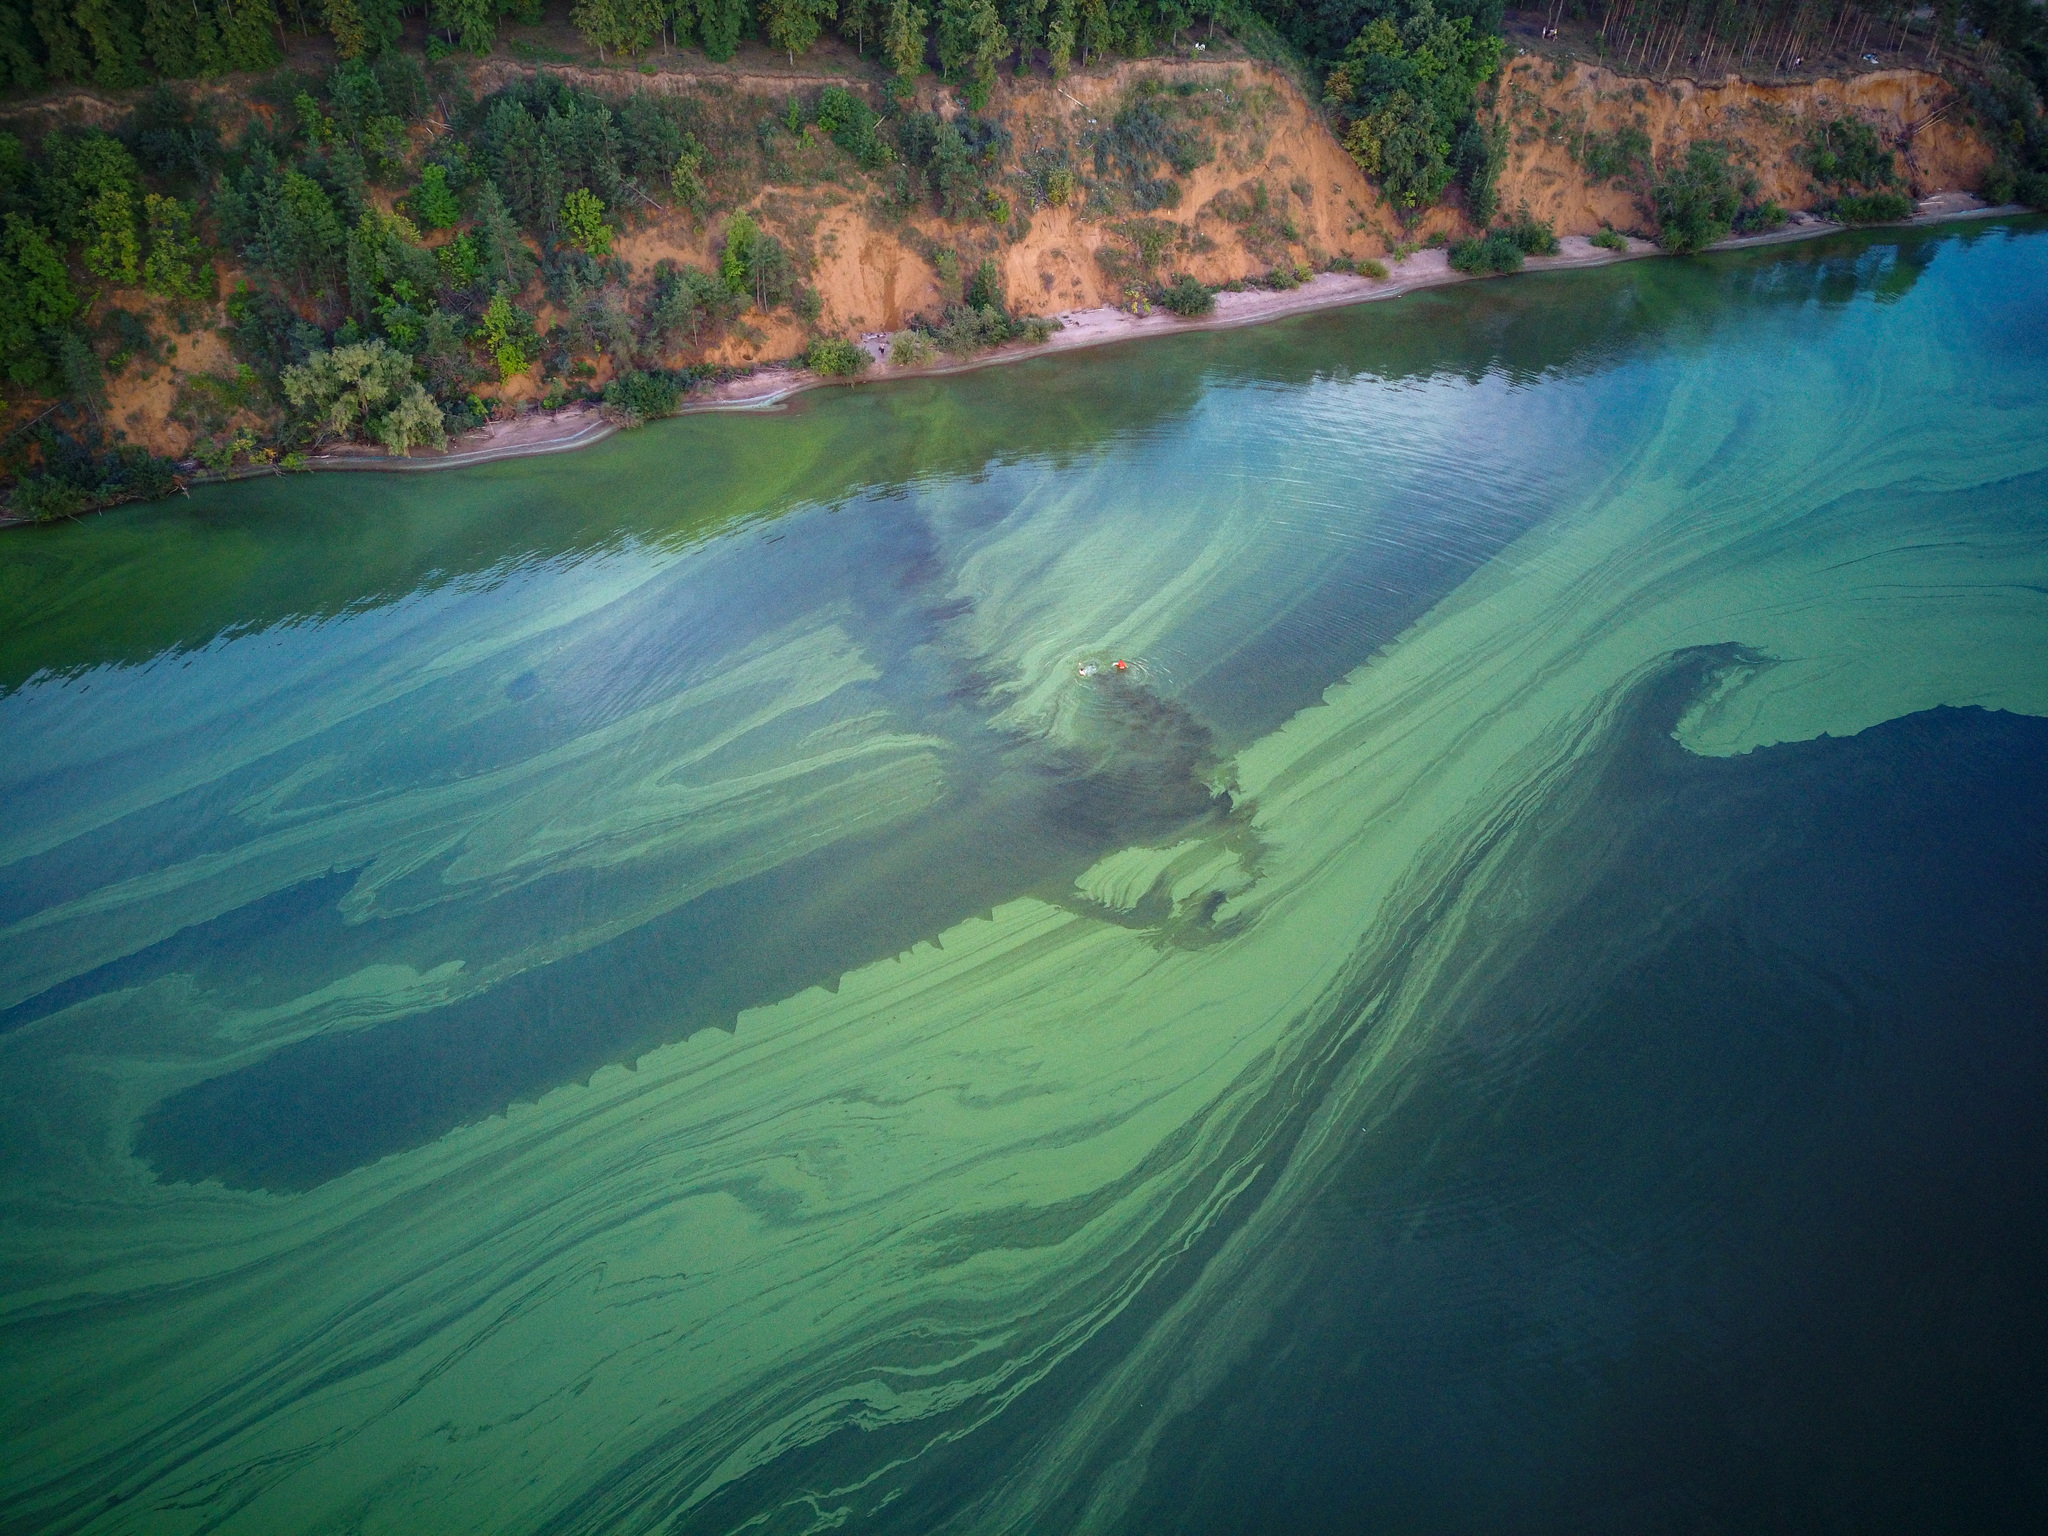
pixel 793 25
pixel 582 221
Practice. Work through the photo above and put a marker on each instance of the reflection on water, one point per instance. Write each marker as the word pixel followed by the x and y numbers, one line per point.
pixel 253 555
pixel 680 987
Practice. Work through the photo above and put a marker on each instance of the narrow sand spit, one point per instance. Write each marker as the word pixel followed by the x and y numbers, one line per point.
pixel 579 426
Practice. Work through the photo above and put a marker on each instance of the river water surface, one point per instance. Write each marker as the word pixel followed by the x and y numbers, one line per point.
pixel 1428 918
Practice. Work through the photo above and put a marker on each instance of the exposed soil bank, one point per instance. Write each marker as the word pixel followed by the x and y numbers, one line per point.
pixel 1550 107
pixel 1274 189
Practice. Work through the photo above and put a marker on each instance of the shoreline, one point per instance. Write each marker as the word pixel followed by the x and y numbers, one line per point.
pixel 581 426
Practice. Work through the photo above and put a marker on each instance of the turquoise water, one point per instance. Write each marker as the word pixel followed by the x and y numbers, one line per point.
pixel 679 987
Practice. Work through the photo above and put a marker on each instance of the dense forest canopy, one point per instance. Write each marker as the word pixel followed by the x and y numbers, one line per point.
pixel 386 269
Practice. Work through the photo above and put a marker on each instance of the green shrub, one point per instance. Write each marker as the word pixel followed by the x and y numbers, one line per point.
pixel 985 290
pixel 82 474
pixel 851 123
pixel 1623 155
pixel 1608 240
pixel 176 266
pixel 1874 208
pixel 583 222
pixel 911 349
pixel 1141 153
pixel 46 499
pixel 1696 200
pixel 1376 270
pixel 365 389
pixel 1763 217
pixel 967 330
pixel 464 414
pixel 1187 297
pixel 433 201
pixel 1402 96
pixel 837 358
pixel 1531 236
pixel 507 334
pixel 1846 152
pixel 686 176
pixel 1496 252
pixel 461 261
pixel 639 396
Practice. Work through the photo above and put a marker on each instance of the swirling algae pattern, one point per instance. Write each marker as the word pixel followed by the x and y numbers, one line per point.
pixel 1019 1182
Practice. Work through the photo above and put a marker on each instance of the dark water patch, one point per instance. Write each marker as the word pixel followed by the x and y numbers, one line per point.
pixel 1722 1207
pixel 199 949
pixel 320 1107
pixel 1718 1205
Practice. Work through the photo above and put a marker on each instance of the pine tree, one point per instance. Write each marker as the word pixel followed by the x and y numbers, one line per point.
pixel 302 234
pixel 208 57
pixel 248 34
pixel 506 261
pixel 79 367
pixel 860 20
pixel 1024 20
pixel 1059 36
pixel 63 46
pixel 19 70
pixel 383 25
pixel 971 43
pixel 1097 31
pixel 345 25
pixel 904 40
pixel 167 34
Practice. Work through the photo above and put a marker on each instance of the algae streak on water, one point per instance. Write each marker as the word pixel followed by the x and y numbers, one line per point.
pixel 1049 1017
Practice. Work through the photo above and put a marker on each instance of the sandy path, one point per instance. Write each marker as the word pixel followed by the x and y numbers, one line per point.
pixel 576 426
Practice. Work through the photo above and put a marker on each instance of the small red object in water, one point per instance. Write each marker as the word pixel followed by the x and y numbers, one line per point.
pixel 1123 666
